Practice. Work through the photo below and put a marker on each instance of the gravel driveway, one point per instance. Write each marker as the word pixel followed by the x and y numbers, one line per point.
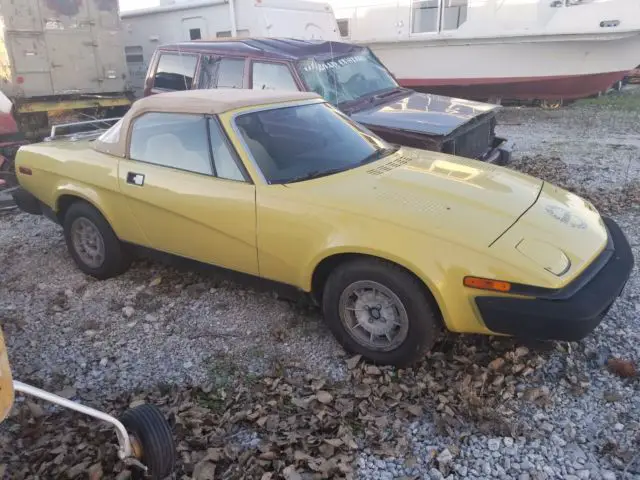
pixel 254 383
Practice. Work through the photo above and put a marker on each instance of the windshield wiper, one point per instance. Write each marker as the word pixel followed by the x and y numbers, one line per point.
pixel 379 153
pixel 317 174
pixel 376 155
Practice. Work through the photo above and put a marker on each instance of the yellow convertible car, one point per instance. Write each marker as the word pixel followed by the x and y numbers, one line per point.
pixel 393 243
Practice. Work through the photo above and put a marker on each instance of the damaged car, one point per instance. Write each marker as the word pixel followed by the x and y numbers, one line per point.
pixel 348 76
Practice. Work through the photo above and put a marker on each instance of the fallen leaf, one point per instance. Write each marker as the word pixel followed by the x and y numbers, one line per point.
pixel 290 473
pixel 353 362
pixel 68 393
pixel 204 470
pixel 415 410
pixel 35 409
pixel 324 397
pixel 334 442
pixel 372 370
pixel 622 368
pixel 497 364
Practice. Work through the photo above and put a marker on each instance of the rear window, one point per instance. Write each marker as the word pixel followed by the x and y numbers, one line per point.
pixel 175 72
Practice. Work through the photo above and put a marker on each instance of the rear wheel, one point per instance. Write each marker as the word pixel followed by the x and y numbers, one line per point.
pixel 379 310
pixel 92 243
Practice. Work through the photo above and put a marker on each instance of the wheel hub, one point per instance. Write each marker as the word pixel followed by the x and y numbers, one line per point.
pixel 374 315
pixel 87 242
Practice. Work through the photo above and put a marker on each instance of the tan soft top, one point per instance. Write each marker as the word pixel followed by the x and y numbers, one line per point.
pixel 202 102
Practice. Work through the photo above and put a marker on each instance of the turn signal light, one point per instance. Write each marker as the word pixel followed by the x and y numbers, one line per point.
pixel 487 284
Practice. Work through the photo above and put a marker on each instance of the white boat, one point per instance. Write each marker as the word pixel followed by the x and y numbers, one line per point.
pixel 510 49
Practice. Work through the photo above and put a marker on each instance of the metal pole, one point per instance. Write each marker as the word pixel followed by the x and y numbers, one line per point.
pixel 124 450
pixel 232 16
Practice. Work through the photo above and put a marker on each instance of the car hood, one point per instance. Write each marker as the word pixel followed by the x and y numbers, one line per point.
pixel 461 200
pixel 423 113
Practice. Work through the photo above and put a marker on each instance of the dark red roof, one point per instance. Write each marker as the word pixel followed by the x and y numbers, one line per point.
pixel 274 48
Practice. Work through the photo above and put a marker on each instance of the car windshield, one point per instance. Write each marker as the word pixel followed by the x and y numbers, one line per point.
pixel 302 142
pixel 346 78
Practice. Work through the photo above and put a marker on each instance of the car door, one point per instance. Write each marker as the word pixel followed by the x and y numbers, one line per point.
pixel 189 192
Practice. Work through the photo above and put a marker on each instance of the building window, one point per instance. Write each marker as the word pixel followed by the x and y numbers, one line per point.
pixel 227 34
pixel 195 34
pixel 343 27
pixel 134 54
pixel 455 14
pixel 430 16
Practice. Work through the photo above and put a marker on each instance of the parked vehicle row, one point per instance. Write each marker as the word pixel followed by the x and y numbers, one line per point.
pixel 393 243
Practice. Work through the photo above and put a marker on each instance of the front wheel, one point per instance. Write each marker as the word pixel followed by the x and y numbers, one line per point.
pixel 381 311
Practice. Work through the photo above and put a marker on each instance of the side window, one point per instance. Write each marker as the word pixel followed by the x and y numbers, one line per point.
pixel 175 72
pixel 224 158
pixel 172 140
pixel 230 73
pixel 272 76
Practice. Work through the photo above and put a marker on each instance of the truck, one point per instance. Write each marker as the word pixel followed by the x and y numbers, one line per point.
pixel 175 21
pixel 59 59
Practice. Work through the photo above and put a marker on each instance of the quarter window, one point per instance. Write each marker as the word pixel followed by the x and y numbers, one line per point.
pixel 230 73
pixel 172 140
pixel 272 76
pixel 175 72
pixel 223 157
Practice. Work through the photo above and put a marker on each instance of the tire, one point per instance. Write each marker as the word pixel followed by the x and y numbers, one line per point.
pixel 116 259
pixel 151 431
pixel 422 315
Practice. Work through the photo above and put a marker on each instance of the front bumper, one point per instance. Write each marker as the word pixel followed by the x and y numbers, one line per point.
pixel 570 313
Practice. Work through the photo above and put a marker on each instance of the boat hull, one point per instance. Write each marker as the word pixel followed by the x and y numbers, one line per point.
pixel 525 68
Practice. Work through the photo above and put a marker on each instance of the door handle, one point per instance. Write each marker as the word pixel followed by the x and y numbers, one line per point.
pixel 136 179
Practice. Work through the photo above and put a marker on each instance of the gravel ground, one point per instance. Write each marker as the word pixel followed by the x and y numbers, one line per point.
pixel 476 408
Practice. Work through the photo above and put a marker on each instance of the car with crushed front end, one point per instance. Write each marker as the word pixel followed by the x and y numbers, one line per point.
pixel 348 76
pixel 393 243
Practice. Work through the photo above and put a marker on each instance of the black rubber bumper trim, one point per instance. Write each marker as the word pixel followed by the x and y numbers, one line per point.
pixel 563 317
pixel 27 202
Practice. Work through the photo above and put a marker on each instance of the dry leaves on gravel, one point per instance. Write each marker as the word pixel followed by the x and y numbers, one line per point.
pixel 285 426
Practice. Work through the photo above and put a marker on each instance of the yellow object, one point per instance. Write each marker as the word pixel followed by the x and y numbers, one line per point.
pixel 55 106
pixel 6 382
pixel 441 217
